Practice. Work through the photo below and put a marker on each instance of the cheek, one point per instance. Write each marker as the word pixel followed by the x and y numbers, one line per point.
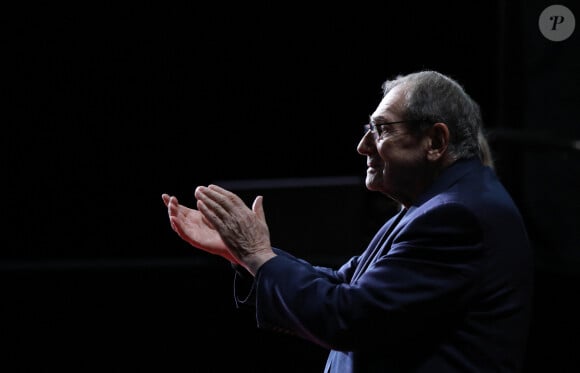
pixel 403 152
pixel 390 152
pixel 398 163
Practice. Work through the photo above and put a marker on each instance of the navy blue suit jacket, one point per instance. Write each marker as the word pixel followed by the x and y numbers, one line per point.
pixel 446 289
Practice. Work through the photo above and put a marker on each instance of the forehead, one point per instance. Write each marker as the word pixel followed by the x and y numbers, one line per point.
pixel 391 106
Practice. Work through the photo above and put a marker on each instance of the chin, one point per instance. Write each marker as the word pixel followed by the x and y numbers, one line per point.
pixel 373 184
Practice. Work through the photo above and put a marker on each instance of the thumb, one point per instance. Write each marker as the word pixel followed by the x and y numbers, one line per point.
pixel 258 207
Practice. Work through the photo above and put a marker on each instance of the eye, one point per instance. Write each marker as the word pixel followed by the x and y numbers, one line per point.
pixel 384 130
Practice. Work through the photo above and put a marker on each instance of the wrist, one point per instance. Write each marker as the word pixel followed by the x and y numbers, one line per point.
pixel 254 261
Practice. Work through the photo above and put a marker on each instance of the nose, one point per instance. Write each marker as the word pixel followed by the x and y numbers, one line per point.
pixel 366 144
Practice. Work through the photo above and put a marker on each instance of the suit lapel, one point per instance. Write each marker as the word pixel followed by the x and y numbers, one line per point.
pixel 377 246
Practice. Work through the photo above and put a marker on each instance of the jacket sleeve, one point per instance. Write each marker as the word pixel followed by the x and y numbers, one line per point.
pixel 244 282
pixel 421 283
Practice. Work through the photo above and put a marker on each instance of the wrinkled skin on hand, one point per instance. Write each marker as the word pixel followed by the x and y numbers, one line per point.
pixel 244 230
pixel 223 225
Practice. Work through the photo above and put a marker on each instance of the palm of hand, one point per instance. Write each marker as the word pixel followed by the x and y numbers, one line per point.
pixel 190 225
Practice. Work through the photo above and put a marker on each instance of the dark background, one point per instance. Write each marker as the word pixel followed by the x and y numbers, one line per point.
pixel 108 106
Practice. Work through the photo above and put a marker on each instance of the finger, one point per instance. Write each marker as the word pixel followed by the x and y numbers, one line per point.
pixel 215 202
pixel 219 189
pixel 207 222
pixel 203 217
pixel 224 196
pixel 172 221
pixel 172 206
pixel 217 193
pixel 165 197
pixel 208 215
pixel 173 224
pixel 258 207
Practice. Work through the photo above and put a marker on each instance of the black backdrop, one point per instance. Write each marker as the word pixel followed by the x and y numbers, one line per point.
pixel 110 105
pixel 117 104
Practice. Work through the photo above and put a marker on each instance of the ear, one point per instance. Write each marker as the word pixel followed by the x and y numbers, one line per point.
pixel 438 141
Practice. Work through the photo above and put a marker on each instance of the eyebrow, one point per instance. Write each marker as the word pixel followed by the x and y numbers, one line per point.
pixel 373 121
pixel 380 121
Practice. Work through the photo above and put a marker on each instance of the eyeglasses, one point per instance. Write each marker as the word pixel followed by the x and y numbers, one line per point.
pixel 376 129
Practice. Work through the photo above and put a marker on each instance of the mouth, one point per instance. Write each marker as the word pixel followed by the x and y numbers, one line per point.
pixel 375 166
pixel 372 169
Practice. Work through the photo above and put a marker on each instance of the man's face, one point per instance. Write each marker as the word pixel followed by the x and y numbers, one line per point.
pixel 396 158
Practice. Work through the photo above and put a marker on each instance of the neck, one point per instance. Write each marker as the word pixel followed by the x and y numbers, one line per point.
pixel 425 179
